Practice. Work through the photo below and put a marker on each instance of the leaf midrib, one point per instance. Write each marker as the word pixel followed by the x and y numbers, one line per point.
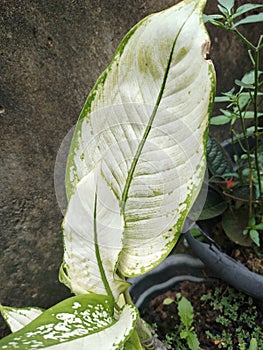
pixel 97 250
pixel 148 127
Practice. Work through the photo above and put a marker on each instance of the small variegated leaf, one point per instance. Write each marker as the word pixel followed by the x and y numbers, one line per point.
pixel 80 322
pixel 147 119
pixel 17 318
pixel 92 229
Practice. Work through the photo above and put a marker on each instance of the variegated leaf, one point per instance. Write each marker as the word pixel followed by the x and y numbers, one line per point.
pixel 92 229
pixel 81 322
pixel 147 119
pixel 17 318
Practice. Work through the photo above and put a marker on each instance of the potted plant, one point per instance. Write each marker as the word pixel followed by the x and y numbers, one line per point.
pixel 233 212
pixel 233 205
pixel 205 315
pixel 135 168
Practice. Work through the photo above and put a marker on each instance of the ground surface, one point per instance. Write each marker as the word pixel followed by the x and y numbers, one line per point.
pixel 227 324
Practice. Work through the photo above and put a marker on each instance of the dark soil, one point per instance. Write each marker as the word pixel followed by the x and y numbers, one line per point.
pixel 227 319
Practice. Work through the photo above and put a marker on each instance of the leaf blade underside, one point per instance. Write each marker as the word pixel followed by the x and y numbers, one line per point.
pixel 92 239
pixel 17 318
pixel 147 119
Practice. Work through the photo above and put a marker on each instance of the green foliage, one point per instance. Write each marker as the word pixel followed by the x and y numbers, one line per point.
pixel 234 222
pixel 253 344
pixel 233 322
pixel 236 190
pixel 184 336
pixel 253 229
pixel 186 314
pixel 238 311
pixel 218 161
pixel 215 205
pixel 229 17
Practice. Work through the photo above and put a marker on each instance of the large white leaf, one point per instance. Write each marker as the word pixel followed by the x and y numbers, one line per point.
pixel 17 318
pixel 82 322
pixel 92 229
pixel 147 119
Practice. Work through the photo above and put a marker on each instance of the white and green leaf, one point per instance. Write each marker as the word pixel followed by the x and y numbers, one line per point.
pixel 80 322
pixel 92 229
pixel 147 118
pixel 17 318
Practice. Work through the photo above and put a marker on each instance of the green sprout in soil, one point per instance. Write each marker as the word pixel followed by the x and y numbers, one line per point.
pixel 236 319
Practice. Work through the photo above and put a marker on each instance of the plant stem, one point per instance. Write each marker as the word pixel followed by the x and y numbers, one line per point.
pixel 245 40
pixel 247 151
pixel 255 62
pixel 238 140
pixel 127 297
pixel 148 340
pixel 255 103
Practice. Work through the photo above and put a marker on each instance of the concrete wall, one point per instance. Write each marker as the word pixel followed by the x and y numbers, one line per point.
pixel 51 55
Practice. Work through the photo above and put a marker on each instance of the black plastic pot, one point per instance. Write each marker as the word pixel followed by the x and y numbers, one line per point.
pixel 228 269
pixel 173 270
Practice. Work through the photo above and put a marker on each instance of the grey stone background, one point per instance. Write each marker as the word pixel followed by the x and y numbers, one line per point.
pixel 51 54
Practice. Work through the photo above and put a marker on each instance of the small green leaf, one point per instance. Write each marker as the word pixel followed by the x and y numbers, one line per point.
pixel 226 112
pixel 244 156
pixel 248 78
pixel 252 221
pixel 192 341
pixel 209 18
pixel 259 226
pixel 245 8
pixel 250 130
pixel 168 301
pixel 245 231
pixel 219 120
pixel 217 23
pixel 234 222
pixel 250 19
pixel 243 192
pixel 214 206
pixel 228 4
pixel 218 161
pixel 223 10
pixel 243 100
pixel 184 334
pixel 254 235
pixel 251 115
pixel 244 85
pixel 253 344
pixel 186 312
pixel 224 98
